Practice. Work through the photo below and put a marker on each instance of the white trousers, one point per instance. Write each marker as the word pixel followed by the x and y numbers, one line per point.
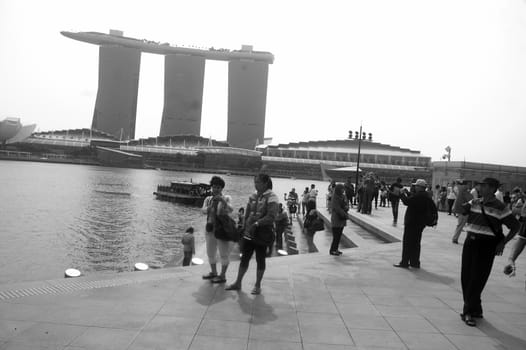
pixel 213 245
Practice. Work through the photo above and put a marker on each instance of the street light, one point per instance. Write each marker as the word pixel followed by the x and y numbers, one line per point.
pixel 360 136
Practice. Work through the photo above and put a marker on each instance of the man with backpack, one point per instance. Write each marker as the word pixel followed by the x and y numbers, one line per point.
pixel 421 212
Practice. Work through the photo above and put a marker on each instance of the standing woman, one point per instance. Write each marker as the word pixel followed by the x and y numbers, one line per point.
pixel 304 200
pixel 261 212
pixel 214 205
pixel 339 208
pixel 308 227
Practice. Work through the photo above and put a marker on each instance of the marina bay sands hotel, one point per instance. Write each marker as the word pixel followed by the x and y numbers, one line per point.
pixel 119 64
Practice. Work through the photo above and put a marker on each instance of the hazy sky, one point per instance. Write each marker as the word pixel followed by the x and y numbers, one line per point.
pixel 418 74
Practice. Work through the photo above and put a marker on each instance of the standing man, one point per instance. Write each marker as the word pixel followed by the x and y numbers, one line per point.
pixel 418 206
pixel 463 196
pixel 394 197
pixel 313 193
pixel 485 240
pixel 349 190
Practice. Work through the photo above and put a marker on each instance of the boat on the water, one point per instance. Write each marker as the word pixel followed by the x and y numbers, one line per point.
pixel 192 193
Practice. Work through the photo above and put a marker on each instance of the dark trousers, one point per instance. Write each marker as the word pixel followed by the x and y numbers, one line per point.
pixel 450 203
pixel 187 258
pixel 366 206
pixel 279 236
pixel 375 197
pixel 394 208
pixel 336 236
pixel 477 260
pixel 249 247
pixel 411 245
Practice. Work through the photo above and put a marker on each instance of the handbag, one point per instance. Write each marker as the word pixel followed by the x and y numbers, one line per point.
pixel 226 228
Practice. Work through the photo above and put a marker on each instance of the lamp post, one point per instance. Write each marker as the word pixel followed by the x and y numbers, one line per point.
pixel 447 156
pixel 358 160
pixel 360 136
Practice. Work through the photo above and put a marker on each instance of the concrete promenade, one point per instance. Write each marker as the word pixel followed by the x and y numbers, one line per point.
pixel 308 301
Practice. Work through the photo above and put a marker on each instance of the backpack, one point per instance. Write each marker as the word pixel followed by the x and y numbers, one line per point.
pixel 431 214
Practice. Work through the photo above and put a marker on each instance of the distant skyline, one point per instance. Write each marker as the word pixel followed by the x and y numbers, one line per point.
pixel 418 74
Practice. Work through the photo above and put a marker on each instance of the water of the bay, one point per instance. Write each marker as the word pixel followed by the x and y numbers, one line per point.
pixel 57 216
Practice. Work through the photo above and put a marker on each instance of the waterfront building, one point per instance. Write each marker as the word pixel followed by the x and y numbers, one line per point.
pixel 12 131
pixel 337 159
pixel 119 63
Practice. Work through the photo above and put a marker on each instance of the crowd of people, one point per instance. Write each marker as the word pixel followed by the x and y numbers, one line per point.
pixel 481 210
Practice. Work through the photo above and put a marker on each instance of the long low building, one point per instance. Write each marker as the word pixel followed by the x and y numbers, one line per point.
pixel 338 160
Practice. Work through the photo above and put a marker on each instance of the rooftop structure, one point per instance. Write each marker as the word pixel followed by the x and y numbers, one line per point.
pixel 155 47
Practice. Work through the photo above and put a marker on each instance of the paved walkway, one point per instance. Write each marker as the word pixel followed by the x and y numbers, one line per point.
pixel 309 301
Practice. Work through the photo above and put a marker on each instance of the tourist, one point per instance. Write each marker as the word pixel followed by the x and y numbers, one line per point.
pixel 436 196
pixel 261 212
pixel 292 202
pixel 463 197
pixel 451 196
pixel 518 247
pixel 475 191
pixel 485 239
pixel 418 206
pixel 443 199
pixel 383 195
pixel 308 228
pixel 339 208
pixel 304 199
pixel 330 191
pixel 349 191
pixel 313 193
pixel 376 192
pixel 394 197
pixel 499 194
pixel 188 242
pixel 214 205
pixel 281 222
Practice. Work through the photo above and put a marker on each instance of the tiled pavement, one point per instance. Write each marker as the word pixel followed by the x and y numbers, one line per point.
pixel 309 301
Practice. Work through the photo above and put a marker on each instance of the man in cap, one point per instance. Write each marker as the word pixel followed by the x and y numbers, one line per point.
pixel 463 196
pixel 418 205
pixel 484 240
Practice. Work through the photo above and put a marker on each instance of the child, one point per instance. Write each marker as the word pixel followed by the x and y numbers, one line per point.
pixel 188 246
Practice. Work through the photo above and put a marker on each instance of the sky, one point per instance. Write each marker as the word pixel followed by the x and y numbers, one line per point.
pixel 417 74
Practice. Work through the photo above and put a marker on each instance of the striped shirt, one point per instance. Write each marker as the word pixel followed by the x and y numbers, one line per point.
pixel 496 212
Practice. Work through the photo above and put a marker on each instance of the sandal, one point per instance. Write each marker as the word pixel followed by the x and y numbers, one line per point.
pixel 256 291
pixel 209 276
pixel 218 279
pixel 233 287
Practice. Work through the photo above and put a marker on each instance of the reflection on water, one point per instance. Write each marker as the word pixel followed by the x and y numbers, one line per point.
pixel 56 216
